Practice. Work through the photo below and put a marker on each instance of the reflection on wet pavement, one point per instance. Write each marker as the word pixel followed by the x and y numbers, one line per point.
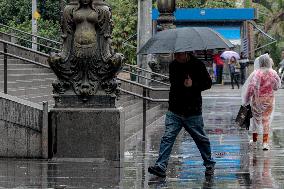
pixel 238 165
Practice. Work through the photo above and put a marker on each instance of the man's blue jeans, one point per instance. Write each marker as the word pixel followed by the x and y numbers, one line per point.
pixel 194 126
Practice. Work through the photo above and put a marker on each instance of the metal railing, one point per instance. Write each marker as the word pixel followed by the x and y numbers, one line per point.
pixel 27 38
pixel 144 96
pixel 265 34
pixel 136 68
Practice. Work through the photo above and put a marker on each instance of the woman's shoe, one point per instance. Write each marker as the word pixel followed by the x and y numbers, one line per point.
pixel 265 146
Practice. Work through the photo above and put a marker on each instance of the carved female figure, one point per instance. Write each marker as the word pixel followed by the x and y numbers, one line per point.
pixel 86 64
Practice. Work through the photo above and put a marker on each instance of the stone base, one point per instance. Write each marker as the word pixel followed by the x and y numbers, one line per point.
pixel 74 101
pixel 88 133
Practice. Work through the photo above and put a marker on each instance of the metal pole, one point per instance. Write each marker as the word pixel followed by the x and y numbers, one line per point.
pixel 44 130
pixel 34 24
pixel 144 32
pixel 62 5
pixel 5 69
pixel 144 114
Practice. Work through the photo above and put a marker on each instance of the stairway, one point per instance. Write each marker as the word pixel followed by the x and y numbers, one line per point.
pixel 34 83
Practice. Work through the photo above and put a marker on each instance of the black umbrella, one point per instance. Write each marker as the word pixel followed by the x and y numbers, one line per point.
pixel 185 39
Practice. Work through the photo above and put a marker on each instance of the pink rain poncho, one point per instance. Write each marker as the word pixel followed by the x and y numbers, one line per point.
pixel 258 91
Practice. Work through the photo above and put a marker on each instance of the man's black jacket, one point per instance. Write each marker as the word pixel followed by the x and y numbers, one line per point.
pixel 187 101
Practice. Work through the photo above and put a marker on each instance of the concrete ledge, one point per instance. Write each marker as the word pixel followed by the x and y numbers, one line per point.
pixel 21 128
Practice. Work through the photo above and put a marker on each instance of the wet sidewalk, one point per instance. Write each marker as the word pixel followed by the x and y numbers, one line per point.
pixel 238 165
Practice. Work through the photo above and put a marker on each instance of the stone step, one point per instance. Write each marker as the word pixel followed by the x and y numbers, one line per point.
pixel 20 66
pixel 37 98
pixel 30 70
pixel 12 61
pixel 13 77
pixel 133 109
pixel 124 100
pixel 30 90
pixel 27 83
pixel 135 123
pixel 133 132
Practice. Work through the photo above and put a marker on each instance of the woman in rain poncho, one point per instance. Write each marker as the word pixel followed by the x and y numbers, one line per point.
pixel 258 91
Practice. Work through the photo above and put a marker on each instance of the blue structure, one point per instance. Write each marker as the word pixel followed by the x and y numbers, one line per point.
pixel 211 14
pixel 229 22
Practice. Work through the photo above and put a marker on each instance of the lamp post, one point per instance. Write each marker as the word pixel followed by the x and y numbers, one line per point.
pixel 34 24
pixel 166 17
pixel 144 33
pixel 165 21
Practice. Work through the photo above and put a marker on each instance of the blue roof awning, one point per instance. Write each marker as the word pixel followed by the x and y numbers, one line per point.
pixel 211 14
pixel 228 32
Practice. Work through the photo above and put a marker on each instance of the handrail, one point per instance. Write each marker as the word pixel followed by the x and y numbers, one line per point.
pixel 146 78
pixel 140 96
pixel 47 39
pixel 30 41
pixel 46 66
pixel 154 73
pixel 145 88
pixel 264 33
pixel 24 59
pixel 259 29
pixel 46 55
pixel 25 48
pixel 121 79
pixel 147 71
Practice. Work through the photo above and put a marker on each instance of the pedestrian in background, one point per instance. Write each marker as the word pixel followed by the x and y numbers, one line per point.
pixel 219 66
pixel 188 78
pixel 243 66
pixel 234 68
pixel 258 91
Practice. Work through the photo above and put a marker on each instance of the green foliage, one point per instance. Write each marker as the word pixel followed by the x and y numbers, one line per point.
pixel 124 15
pixel 189 4
pixel 15 10
pixel 18 14
pixel 206 4
pixel 220 4
pixel 49 9
pixel 269 11
pixel 46 28
pixel 275 53
pixel 247 3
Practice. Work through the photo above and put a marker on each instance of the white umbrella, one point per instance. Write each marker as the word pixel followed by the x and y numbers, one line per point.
pixel 227 55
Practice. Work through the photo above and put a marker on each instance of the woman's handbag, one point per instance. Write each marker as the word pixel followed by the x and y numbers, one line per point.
pixel 243 117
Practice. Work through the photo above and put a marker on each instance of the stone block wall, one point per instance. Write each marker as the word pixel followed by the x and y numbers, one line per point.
pixel 21 126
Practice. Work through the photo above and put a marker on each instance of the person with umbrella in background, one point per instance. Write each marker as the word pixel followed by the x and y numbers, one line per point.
pixel 188 78
pixel 234 68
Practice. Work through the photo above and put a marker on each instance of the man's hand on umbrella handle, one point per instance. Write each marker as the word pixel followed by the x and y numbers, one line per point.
pixel 188 82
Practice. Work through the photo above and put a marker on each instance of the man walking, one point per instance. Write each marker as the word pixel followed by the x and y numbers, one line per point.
pixel 188 78
pixel 244 64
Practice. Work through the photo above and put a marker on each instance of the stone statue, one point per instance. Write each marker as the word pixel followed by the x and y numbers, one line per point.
pixel 86 65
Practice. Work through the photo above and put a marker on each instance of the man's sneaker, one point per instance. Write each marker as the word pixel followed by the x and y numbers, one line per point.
pixel 265 146
pixel 209 170
pixel 156 170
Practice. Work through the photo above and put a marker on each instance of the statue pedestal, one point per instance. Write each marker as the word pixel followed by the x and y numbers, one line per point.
pixel 88 133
